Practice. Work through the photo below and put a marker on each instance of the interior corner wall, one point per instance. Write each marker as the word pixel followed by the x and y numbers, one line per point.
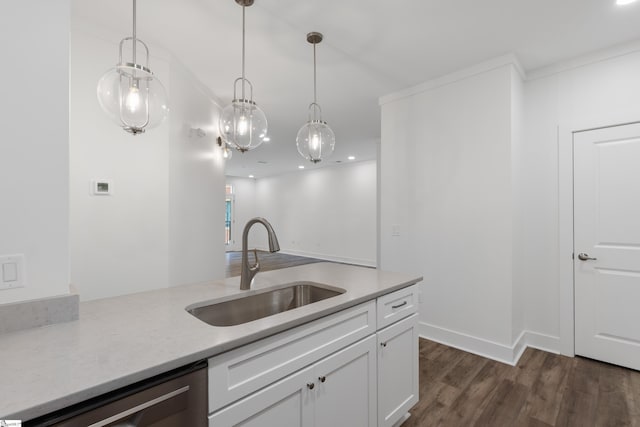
pixel 196 183
pixel 327 213
pixel 518 195
pixel 446 205
pixel 598 93
pixel 34 114
pixel 162 225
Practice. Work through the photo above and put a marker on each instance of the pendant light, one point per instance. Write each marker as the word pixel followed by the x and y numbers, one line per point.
pixel 130 93
pixel 242 123
pixel 315 139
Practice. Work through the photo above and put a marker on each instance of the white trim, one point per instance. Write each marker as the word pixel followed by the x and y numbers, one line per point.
pixel 509 354
pixel 463 74
pixel 492 350
pixel 584 60
pixel 542 342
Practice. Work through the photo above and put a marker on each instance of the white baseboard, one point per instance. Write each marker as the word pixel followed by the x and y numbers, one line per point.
pixel 509 354
pixel 346 260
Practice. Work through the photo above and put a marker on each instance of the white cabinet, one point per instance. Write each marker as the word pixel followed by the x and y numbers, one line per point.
pixel 345 390
pixel 357 367
pixel 397 370
pixel 338 390
pixel 285 403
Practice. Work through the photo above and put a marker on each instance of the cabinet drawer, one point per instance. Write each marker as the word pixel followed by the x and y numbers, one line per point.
pixel 239 372
pixel 397 305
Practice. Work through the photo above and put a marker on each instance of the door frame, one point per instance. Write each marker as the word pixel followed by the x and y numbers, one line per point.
pixel 566 277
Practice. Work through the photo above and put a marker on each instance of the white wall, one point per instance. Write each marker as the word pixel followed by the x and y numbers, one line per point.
pixel 34 148
pixel 162 225
pixel 457 235
pixel 599 90
pixel 196 183
pixel 327 213
pixel 447 190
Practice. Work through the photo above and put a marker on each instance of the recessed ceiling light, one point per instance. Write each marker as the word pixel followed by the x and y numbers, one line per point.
pixel 624 2
pixel 300 167
pixel 351 157
pixel 251 176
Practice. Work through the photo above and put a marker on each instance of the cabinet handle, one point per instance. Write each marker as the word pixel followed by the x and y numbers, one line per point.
pixel 140 407
pixel 399 305
pixel 322 379
pixel 311 386
pixel 383 344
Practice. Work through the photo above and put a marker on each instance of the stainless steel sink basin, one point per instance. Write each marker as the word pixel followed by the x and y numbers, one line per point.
pixel 256 306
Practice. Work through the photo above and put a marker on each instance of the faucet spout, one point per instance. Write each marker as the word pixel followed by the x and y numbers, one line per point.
pixel 249 271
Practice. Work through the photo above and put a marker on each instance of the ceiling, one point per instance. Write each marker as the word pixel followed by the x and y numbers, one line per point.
pixel 370 49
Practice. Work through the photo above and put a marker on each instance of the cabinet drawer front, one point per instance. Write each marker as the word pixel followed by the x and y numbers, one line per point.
pixel 237 373
pixel 397 305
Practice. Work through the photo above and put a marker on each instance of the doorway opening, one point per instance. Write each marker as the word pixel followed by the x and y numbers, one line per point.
pixel 228 214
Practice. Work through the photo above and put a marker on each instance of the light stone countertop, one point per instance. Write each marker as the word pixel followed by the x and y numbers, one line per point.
pixel 121 340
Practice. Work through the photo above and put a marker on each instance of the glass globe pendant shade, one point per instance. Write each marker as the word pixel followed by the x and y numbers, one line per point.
pixel 133 97
pixel 315 140
pixel 243 125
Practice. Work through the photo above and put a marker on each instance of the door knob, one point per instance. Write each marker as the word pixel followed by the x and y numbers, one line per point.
pixel 585 257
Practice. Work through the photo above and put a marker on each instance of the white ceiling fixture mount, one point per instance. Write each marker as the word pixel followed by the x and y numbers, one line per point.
pixel 242 124
pixel 624 2
pixel 315 139
pixel 130 93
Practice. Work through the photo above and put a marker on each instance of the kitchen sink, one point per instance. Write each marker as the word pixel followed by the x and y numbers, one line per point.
pixel 256 306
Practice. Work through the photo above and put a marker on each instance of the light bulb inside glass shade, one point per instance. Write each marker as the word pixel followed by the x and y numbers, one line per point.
pixel 133 98
pixel 315 141
pixel 243 125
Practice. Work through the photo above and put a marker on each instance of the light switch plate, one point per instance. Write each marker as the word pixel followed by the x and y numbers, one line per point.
pixel 12 271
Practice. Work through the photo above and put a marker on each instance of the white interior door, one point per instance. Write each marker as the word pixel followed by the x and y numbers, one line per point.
pixel 607 244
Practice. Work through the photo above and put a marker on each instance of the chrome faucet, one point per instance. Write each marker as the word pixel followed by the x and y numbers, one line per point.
pixel 248 271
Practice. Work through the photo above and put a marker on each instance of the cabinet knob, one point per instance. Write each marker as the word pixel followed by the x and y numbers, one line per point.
pixel 383 344
pixel 311 386
pixel 322 379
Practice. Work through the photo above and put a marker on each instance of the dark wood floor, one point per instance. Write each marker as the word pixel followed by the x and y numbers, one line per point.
pixel 268 261
pixel 544 389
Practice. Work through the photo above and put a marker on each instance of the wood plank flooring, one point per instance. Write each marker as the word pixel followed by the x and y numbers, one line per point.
pixel 268 261
pixel 544 389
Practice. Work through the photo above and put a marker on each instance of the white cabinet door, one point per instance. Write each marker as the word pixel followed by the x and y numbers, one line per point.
pixel 345 387
pixel 607 244
pixel 286 403
pixel 397 370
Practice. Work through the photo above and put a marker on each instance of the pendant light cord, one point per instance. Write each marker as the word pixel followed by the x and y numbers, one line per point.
pixel 134 32
pixel 315 100
pixel 243 78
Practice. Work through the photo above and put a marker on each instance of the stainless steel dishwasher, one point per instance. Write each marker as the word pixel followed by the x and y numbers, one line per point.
pixel 177 398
